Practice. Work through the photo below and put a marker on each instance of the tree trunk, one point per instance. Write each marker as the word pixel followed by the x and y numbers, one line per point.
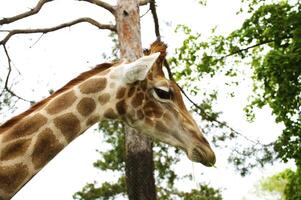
pixel 139 156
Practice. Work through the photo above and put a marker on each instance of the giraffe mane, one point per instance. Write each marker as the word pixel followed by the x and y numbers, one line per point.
pixel 87 74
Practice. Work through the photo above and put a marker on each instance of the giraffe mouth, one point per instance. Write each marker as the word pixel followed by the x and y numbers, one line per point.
pixel 205 156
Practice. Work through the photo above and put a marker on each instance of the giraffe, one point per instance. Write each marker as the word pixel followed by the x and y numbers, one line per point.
pixel 136 93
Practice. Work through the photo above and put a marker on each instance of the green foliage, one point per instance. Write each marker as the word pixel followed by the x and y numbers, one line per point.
pixel 203 193
pixel 112 159
pixel 276 183
pixel 269 42
pixel 292 190
pixel 107 191
pixel 285 184
pixel 7 101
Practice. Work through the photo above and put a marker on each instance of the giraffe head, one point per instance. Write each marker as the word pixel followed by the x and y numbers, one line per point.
pixel 155 107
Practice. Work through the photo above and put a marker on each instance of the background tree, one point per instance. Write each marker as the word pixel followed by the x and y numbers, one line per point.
pixel 269 43
pixel 284 185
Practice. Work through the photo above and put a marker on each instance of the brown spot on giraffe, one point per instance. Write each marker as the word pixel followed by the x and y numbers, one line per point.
pixel 151 109
pixel 110 114
pixel 93 85
pixel 69 125
pixel 92 120
pixel 131 91
pixel 120 92
pixel 104 98
pixel 15 149
pixel 121 107
pixel 143 85
pixel 140 114
pixel 61 103
pixel 12 177
pixel 26 127
pixel 86 106
pixel 46 147
pixel 137 99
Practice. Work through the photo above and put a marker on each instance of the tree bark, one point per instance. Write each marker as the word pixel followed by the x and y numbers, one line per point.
pixel 139 156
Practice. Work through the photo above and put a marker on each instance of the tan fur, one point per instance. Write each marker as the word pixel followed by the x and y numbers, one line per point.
pixel 161 127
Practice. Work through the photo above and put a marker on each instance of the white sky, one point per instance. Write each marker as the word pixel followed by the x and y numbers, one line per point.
pixel 60 56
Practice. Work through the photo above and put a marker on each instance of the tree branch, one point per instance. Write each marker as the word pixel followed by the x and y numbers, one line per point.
pixel 222 124
pixel 32 11
pixel 102 4
pixel 152 7
pixel 55 28
pixel 245 49
pixel 6 87
pixel 144 2
pixel 249 47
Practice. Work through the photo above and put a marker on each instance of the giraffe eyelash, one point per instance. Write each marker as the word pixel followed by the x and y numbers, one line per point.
pixel 162 94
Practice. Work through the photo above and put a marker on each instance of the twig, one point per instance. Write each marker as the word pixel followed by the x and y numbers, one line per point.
pixel 102 4
pixel 32 11
pixel 244 49
pixel 224 124
pixel 55 28
pixel 143 2
pixel 145 13
pixel 6 88
pixel 37 40
pixel 249 47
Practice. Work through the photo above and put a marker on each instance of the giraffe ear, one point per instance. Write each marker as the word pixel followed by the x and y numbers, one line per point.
pixel 137 70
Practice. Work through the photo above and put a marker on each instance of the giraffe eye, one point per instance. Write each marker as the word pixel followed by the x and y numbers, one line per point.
pixel 163 94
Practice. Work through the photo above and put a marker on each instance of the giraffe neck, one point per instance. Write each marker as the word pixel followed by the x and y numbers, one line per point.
pixel 35 139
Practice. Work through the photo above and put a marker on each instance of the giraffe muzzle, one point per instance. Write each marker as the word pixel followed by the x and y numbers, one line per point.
pixel 203 155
